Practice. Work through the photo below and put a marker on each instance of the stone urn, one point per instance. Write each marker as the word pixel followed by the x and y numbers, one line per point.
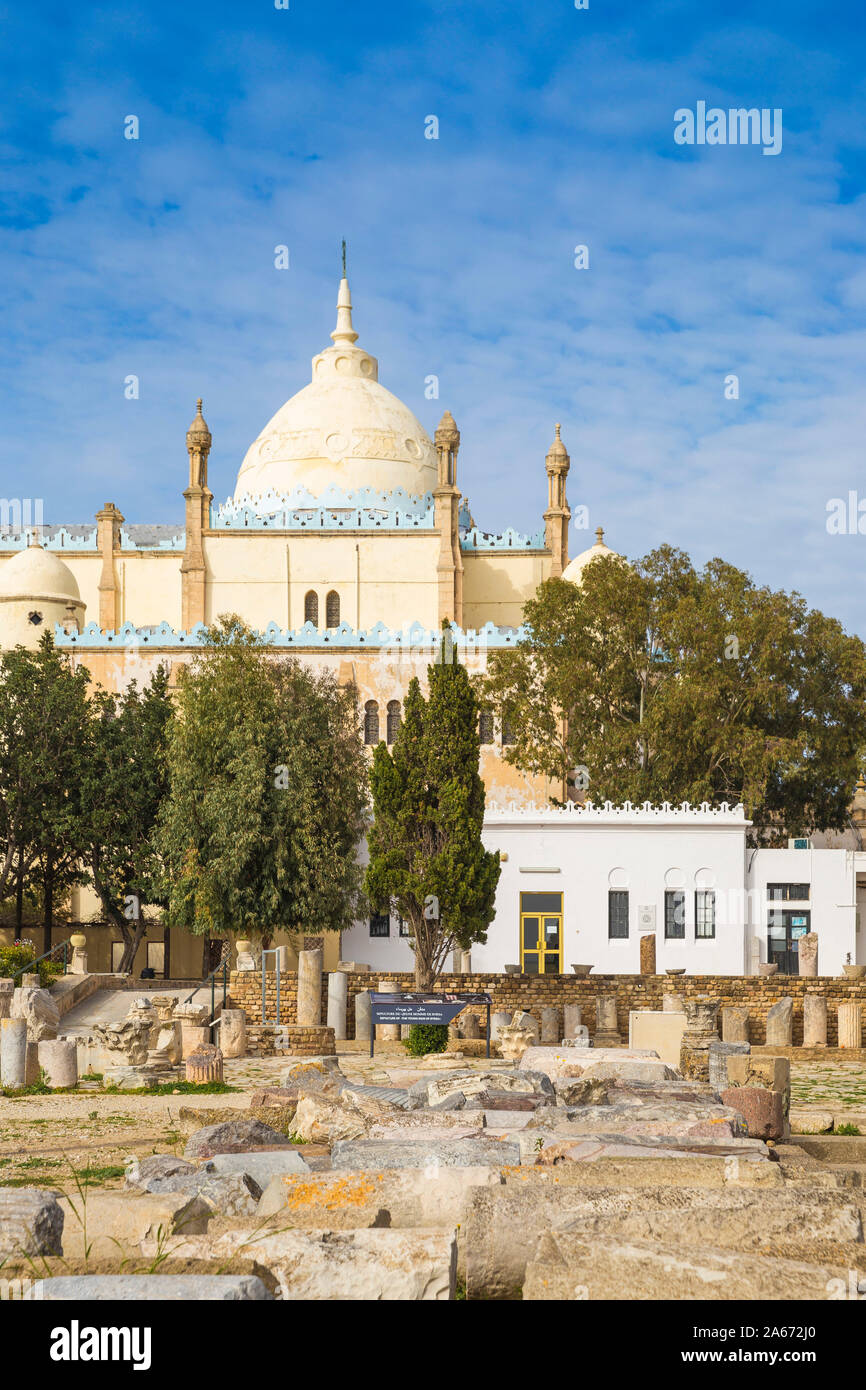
pixel 512 969
pixel 246 959
pixel 765 969
pixel 854 972
pixel 581 970
pixel 78 964
pixel 680 970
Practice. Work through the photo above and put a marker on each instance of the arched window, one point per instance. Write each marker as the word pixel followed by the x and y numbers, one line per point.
pixel 332 609
pixel 395 719
pixel 311 608
pixel 508 734
pixel 371 722
pixel 485 726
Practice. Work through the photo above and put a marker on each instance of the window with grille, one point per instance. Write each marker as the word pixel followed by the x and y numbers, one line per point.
pixel 394 720
pixel 332 609
pixel 675 915
pixel 617 913
pixel 371 722
pixel 311 608
pixel 705 913
pixel 485 726
pixel 380 924
pixel 788 892
pixel 404 927
pixel 508 734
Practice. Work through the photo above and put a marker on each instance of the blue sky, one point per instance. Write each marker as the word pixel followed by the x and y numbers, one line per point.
pixel 260 127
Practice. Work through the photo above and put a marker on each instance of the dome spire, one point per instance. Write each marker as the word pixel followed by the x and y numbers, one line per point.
pixel 344 332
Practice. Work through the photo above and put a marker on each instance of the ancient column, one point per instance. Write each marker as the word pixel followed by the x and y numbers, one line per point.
pixel 701 1030
pixel 571 1019
pixel 672 1004
pixel 735 1023
pixel 58 1058
pixel 606 1027
pixel 465 962
pixel 233 1033
pixel 7 988
pixel 310 988
pixel 362 1016
pixel 814 1020
pixel 648 954
pixel 807 954
pixel 780 1023
pixel 205 1064
pixel 388 1032
pixel 193 1036
pixel 470 1027
pixel 850 1021
pixel 13 1052
pixel 338 998
pixel 549 1026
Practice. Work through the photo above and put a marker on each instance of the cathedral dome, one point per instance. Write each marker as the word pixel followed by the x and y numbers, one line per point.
pixel 574 569
pixel 35 573
pixel 342 431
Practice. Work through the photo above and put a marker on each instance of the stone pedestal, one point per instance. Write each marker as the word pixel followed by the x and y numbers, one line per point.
pixel 362 1016
pixel 672 1004
pixel 30 981
pixel 814 1020
pixel 498 1020
pixel 701 1030
pixel 233 1033
pixel 572 1018
pixel 648 954
pixel 388 1032
pixel 58 1058
pixel 807 954
pixel 550 1034
pixel 338 996
pixel 735 1024
pixel 192 1038
pixel 780 1024
pixel 310 988
pixel 7 988
pixel 13 1052
pixel 850 1020
pixel 205 1064
pixel 606 1027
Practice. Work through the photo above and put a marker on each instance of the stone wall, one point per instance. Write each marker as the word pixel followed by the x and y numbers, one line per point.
pixel 534 992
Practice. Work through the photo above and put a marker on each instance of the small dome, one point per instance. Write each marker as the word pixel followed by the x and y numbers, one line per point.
pixel 37 573
pixel 574 569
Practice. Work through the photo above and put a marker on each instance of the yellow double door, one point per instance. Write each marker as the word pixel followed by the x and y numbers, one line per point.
pixel 541 933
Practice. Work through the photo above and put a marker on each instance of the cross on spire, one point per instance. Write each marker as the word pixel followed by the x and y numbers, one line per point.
pixel 344 258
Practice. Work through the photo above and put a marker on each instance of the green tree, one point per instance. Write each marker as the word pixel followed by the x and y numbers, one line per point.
pixel 126 781
pixel 665 683
pixel 267 799
pixel 426 853
pixel 44 750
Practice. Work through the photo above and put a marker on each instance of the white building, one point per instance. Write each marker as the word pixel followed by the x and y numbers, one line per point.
pixel 583 884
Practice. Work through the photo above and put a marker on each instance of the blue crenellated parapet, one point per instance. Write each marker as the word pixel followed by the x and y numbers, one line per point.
pixel 360 509
pixel 475 539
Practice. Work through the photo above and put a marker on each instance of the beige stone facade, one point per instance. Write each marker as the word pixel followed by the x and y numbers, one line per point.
pixel 348 538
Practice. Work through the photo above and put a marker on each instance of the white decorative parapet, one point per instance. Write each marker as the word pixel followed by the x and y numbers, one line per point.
pixel 395 640
pixel 628 813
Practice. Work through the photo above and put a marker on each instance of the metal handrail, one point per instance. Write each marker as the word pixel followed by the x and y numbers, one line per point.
pixel 224 967
pixel 28 968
